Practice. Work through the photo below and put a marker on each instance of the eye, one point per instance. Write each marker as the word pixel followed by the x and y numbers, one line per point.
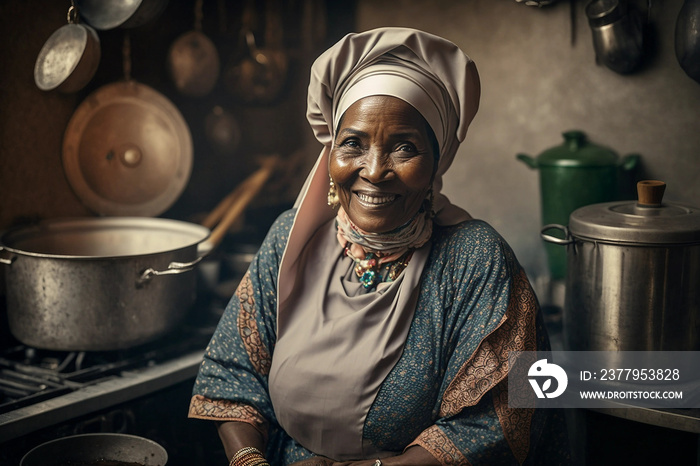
pixel 406 147
pixel 349 145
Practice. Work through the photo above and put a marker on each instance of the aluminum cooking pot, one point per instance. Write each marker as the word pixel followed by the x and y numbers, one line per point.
pixel 632 275
pixel 89 449
pixel 89 284
pixel 100 284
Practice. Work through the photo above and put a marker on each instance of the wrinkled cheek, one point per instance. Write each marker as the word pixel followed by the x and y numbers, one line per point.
pixel 339 168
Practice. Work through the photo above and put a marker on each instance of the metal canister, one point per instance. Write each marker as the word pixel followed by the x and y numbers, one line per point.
pixel 633 274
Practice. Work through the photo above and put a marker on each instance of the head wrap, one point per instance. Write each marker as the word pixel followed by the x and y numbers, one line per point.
pixel 429 72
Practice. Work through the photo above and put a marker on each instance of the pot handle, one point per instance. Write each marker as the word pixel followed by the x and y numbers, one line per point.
pixel 553 239
pixel 7 261
pixel 173 269
pixel 527 160
pixel 630 162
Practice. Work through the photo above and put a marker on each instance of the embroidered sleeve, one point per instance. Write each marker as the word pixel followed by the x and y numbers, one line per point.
pixel 440 446
pixel 475 424
pixel 487 369
pixel 489 364
pixel 248 327
pixel 233 377
pixel 224 410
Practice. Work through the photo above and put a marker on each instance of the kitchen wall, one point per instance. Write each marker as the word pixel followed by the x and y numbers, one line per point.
pixel 536 84
pixel 33 184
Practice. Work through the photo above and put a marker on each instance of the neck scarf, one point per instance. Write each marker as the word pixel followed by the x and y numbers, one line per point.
pixel 389 246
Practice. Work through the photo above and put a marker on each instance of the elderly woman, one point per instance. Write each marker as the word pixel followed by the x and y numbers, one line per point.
pixel 377 330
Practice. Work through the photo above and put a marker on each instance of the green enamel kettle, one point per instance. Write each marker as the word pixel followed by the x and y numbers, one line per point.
pixel 574 174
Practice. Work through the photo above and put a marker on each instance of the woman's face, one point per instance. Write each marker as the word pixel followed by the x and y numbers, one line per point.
pixel 382 162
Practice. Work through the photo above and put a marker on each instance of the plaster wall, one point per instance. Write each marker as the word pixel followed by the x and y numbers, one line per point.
pixel 536 84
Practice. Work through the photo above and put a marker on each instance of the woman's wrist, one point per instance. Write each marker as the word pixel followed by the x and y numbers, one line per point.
pixel 248 456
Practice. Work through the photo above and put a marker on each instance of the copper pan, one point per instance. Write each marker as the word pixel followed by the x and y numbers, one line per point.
pixel 259 74
pixel 193 60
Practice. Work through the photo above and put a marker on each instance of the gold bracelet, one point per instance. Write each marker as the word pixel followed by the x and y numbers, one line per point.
pixel 248 456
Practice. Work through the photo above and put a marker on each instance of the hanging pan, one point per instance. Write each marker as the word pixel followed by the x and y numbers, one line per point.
pixel 109 14
pixel 193 60
pixel 259 74
pixel 69 58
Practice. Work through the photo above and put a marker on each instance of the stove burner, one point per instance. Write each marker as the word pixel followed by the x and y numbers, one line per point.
pixel 31 375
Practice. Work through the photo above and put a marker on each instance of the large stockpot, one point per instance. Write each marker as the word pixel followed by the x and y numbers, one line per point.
pixel 633 272
pixel 98 284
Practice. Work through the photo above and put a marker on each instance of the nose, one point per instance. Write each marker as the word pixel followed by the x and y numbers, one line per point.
pixel 377 166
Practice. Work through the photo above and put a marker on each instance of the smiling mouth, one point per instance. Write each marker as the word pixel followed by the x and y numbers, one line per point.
pixel 375 200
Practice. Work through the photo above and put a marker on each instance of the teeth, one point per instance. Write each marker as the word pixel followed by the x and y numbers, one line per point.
pixel 375 199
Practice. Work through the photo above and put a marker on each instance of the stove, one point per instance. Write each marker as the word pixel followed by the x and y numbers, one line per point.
pixel 29 376
pixel 142 390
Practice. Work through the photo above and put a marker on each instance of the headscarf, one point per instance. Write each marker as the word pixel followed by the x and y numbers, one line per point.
pixel 427 71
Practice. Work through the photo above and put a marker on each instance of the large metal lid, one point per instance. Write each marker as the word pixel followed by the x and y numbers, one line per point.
pixel 127 151
pixel 647 221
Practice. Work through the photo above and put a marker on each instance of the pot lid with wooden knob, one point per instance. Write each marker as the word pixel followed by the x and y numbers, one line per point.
pixel 127 150
pixel 646 221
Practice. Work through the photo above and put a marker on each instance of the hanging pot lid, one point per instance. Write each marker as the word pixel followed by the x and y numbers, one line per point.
pixel 127 150
pixel 648 221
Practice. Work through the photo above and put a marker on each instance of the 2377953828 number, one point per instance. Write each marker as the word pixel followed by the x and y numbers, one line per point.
pixel 639 374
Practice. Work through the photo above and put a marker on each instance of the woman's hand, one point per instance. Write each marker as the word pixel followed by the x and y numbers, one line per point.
pixel 413 456
pixel 315 461
pixel 323 461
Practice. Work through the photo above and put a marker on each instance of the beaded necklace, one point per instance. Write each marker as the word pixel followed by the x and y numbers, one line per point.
pixel 371 272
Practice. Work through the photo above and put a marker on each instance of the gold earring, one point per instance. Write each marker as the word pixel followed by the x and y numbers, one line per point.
pixel 430 201
pixel 333 199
